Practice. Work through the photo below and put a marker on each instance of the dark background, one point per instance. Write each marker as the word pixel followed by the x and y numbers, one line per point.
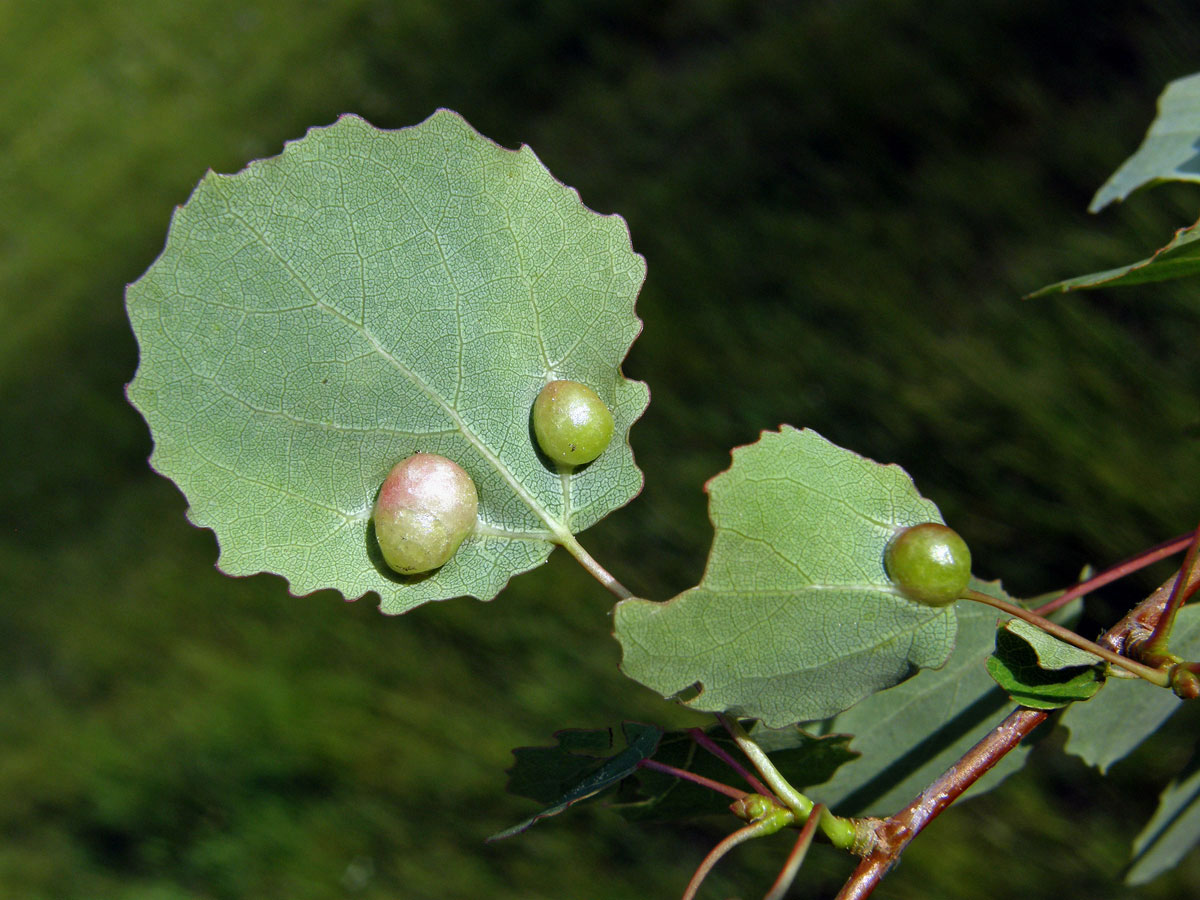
pixel 841 205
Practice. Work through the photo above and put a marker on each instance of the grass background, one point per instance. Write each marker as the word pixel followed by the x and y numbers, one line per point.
pixel 840 204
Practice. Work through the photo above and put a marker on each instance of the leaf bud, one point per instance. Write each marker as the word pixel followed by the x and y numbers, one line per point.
pixel 752 807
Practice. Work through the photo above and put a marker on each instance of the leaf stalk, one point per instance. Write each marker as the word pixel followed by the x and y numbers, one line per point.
pixel 841 832
pixel 683 774
pixel 698 735
pixel 597 571
pixel 767 825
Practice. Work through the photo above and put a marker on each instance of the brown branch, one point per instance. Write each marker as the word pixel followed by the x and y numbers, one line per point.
pixel 893 834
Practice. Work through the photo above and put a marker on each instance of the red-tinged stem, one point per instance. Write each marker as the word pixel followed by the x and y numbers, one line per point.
pixel 796 858
pixel 1120 570
pixel 894 834
pixel 1156 645
pixel 753 830
pixel 684 774
pixel 716 750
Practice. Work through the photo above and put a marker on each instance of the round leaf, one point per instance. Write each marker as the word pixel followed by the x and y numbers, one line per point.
pixel 366 295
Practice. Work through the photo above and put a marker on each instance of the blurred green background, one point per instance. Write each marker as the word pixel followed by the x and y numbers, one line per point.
pixel 841 205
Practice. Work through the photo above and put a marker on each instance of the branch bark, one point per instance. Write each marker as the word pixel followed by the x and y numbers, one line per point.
pixel 894 833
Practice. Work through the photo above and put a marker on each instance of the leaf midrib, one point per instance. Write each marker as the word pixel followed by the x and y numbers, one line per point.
pixel 556 527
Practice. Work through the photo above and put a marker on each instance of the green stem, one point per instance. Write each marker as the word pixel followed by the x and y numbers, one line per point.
pixel 841 832
pixel 597 571
pixel 1155 676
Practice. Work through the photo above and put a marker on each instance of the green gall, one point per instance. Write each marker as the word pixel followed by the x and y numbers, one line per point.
pixel 930 563
pixel 571 423
pixel 426 508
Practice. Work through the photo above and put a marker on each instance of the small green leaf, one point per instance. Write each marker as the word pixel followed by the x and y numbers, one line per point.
pixel 1015 667
pixel 1128 711
pixel 795 618
pixel 560 777
pixel 1169 152
pixel 1173 830
pixel 366 295
pixel 1050 651
pixel 1178 259
pixel 910 734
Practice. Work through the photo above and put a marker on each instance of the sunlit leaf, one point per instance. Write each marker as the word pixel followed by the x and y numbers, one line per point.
pixel 1169 152
pixel 1178 259
pixel 368 294
pixel 795 618
pixel 1051 653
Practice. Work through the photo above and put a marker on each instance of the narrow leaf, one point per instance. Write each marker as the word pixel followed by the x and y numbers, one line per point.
pixel 1178 259
pixel 1169 152
pixel 795 618
pixel 324 314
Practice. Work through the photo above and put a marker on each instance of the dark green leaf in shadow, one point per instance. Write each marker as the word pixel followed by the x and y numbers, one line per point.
pixel 1172 831
pixel 1128 711
pixel 561 777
